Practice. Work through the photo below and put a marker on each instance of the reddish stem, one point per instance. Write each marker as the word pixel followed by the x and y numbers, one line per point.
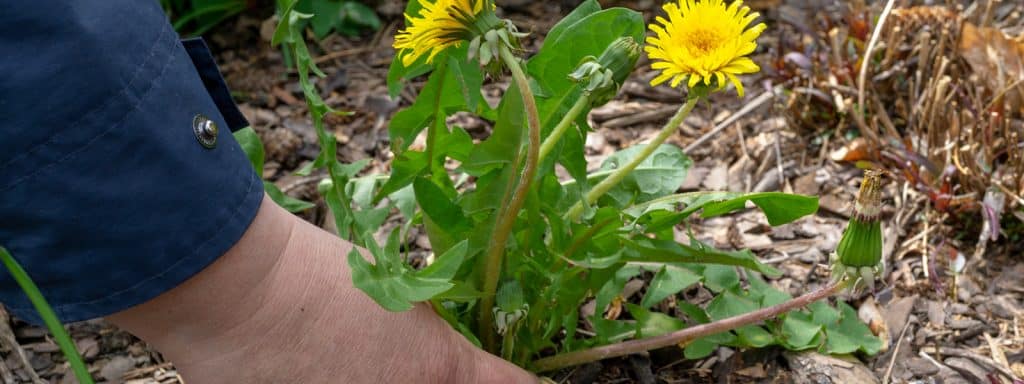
pixel 684 335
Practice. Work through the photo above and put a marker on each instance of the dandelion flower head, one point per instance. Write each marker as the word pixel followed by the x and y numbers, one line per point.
pixel 703 41
pixel 439 25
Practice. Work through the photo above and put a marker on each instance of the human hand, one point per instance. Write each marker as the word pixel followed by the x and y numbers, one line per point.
pixel 280 307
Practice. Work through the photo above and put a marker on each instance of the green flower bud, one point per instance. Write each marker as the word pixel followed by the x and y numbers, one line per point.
pixel 604 75
pixel 859 254
pixel 620 57
pixel 511 306
pixel 325 186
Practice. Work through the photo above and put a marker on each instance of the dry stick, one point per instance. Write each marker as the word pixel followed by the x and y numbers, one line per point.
pixel 895 353
pixel 862 78
pixel 504 222
pixel 684 335
pixel 753 104
pixel 967 354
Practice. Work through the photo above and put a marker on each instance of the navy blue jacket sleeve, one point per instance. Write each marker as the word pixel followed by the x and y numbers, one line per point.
pixel 114 184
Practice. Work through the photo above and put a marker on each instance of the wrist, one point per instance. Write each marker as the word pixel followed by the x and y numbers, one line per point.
pixel 223 296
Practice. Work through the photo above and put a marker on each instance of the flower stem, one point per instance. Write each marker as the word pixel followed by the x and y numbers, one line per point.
pixel 682 336
pixel 563 126
pixel 612 180
pixel 67 346
pixel 508 213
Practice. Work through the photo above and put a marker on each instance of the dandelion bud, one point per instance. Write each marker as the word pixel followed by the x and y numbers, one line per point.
pixel 620 57
pixel 511 306
pixel 325 186
pixel 859 254
pixel 604 75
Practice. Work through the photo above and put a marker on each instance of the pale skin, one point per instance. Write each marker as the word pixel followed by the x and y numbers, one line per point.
pixel 279 307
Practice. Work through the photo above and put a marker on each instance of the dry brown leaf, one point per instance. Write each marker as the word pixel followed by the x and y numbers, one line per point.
pixel 614 308
pixel 996 58
pixel 855 150
pixel 871 314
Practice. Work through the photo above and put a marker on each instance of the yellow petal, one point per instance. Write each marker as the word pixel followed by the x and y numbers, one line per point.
pixel 736 82
pixel 742 65
pixel 663 77
pixel 694 79
pixel 703 41
pixel 720 77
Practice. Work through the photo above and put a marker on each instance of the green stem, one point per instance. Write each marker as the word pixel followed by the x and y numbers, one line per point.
pixel 67 346
pixel 328 144
pixel 437 167
pixel 683 336
pixel 563 126
pixel 507 217
pixel 589 234
pixel 611 181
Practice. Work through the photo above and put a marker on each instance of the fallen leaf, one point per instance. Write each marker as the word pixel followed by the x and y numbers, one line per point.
pixel 996 58
pixel 855 150
pixel 871 315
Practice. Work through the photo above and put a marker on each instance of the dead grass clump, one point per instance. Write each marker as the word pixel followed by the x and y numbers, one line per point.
pixel 942 105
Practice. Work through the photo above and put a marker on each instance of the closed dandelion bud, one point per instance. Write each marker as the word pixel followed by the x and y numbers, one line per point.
pixel 511 306
pixel 510 296
pixel 604 75
pixel 325 186
pixel 620 57
pixel 861 245
pixel 859 253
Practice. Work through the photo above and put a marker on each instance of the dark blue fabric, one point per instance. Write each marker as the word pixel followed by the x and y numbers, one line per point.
pixel 202 59
pixel 106 197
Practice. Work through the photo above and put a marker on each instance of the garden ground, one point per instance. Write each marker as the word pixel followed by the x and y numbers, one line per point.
pixel 938 326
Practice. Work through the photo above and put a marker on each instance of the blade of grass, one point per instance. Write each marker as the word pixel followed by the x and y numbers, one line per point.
pixel 67 346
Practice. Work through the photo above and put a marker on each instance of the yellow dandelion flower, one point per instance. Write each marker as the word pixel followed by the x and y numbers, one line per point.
pixel 703 40
pixel 440 24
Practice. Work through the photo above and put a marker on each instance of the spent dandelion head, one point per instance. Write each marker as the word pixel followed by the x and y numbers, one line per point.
pixel 858 257
pixel 703 42
pixel 442 24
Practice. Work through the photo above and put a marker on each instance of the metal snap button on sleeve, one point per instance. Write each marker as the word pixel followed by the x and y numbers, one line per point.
pixel 205 131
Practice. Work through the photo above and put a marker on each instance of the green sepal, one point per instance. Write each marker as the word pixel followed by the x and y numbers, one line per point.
pixel 861 245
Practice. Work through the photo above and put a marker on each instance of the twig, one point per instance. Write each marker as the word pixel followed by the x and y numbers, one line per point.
pixel 997 353
pixel 342 53
pixel 684 335
pixel 958 352
pixel 924 244
pixel 932 360
pixel 651 115
pixel 1009 192
pixel 866 60
pixel 778 159
pixel 895 352
pixel 8 340
pixel 753 104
